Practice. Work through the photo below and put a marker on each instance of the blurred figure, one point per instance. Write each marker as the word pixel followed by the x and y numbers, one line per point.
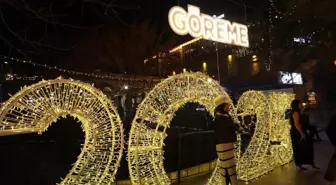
pixel 225 135
pixel 306 126
pixel 331 133
pixel 302 145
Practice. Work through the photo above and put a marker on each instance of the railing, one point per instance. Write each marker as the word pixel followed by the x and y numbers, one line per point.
pixel 196 155
pixel 195 148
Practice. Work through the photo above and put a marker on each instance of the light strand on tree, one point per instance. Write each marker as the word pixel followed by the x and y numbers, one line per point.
pixel 270 29
pixel 290 13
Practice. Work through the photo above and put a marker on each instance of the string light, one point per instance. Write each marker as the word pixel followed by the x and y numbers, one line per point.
pixel 146 140
pixel 36 107
pixel 289 13
pixel 270 29
pixel 154 114
pixel 112 77
pixel 9 77
pixel 280 129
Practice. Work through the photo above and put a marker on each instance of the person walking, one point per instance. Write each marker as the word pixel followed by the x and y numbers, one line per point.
pixel 330 174
pixel 225 136
pixel 307 126
pixel 302 145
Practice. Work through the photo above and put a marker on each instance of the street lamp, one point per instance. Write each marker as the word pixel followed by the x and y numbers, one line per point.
pixel 254 58
pixel 204 66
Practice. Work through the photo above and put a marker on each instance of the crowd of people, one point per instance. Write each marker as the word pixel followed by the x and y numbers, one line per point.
pixel 302 135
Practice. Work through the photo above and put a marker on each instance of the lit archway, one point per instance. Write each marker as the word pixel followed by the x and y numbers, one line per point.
pixel 281 146
pixel 34 108
pixel 145 152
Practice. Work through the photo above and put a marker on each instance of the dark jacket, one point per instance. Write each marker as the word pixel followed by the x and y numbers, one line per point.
pixel 331 130
pixel 225 128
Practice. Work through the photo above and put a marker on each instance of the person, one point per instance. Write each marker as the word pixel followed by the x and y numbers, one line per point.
pixel 306 126
pixel 225 136
pixel 302 145
pixel 330 174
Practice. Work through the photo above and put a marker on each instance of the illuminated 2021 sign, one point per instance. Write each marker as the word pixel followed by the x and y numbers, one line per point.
pixel 201 25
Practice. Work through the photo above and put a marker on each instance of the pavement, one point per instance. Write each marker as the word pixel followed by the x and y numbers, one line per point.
pixel 288 174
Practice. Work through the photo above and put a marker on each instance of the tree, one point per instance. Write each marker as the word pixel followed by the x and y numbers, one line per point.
pixel 39 29
pixel 119 50
pixel 312 21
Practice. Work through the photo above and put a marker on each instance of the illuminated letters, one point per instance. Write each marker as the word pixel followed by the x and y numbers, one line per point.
pixel 207 27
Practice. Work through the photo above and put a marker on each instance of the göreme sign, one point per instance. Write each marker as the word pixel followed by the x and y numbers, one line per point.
pixel 202 25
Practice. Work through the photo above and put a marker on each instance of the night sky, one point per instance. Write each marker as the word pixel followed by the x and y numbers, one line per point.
pixel 49 31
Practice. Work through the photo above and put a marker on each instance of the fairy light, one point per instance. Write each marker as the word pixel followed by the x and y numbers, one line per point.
pixel 280 129
pixel 9 77
pixel 289 13
pixel 270 29
pixel 36 107
pixel 55 68
pixel 154 114
pixel 146 141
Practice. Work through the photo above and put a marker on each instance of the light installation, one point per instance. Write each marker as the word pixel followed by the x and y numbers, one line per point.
pixel 35 108
pixel 269 146
pixel 204 26
pixel 146 140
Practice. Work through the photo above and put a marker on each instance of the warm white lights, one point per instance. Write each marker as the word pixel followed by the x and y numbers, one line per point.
pixel 146 138
pixel 154 114
pixel 202 25
pixel 204 67
pixel 35 108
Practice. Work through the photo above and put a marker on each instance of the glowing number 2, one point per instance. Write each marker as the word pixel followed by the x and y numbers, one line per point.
pixel 34 108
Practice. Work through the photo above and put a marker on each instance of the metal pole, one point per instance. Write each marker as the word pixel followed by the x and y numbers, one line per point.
pixel 1 79
pixel 179 160
pixel 2 67
pixel 245 12
pixel 217 55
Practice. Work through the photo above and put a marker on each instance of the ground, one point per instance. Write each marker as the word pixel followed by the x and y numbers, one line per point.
pixel 288 174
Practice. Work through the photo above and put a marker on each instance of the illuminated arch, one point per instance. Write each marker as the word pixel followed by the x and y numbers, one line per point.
pixel 145 152
pixel 252 163
pixel 281 150
pixel 35 108
pixel 270 145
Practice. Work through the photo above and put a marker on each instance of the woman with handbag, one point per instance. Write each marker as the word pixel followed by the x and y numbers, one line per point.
pixel 302 145
pixel 331 133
